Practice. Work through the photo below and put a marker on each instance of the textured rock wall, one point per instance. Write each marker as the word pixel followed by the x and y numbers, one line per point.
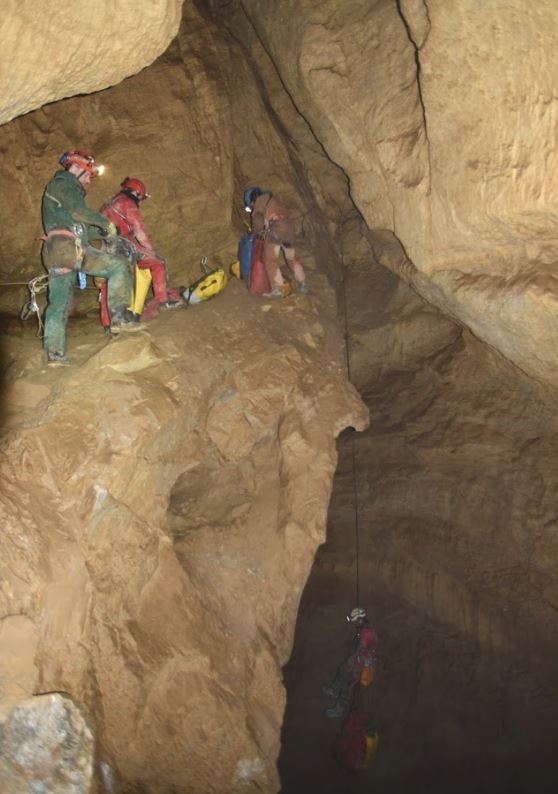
pixel 52 50
pixel 442 115
pixel 161 507
pixel 130 611
pixel 46 745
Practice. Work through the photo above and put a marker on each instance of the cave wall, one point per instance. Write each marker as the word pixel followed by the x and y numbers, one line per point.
pixel 52 50
pixel 457 559
pixel 465 218
pixel 442 117
pixel 400 95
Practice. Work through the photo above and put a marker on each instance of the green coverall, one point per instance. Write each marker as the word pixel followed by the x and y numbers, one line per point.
pixel 64 208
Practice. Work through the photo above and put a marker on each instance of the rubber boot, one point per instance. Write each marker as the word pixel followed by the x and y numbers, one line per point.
pixel 57 360
pixel 123 320
pixel 143 283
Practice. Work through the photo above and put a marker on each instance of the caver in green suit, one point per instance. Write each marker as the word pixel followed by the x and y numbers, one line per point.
pixel 69 226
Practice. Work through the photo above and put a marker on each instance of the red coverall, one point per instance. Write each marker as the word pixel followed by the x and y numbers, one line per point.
pixel 123 211
pixel 270 215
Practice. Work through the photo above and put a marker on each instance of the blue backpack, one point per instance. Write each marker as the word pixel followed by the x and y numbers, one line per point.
pixel 246 255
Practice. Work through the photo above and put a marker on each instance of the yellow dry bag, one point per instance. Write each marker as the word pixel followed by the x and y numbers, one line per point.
pixel 211 283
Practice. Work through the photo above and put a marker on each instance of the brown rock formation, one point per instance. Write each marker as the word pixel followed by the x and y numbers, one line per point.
pixel 446 142
pixel 52 50
pixel 46 744
pixel 162 501
pixel 173 489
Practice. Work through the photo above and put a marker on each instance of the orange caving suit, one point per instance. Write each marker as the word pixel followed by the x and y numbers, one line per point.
pixel 123 211
pixel 269 216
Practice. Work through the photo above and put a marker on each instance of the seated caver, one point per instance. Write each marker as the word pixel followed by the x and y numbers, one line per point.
pixel 69 226
pixel 123 210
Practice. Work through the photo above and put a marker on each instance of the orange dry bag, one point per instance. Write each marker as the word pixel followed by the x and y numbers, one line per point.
pixel 259 282
pixel 366 676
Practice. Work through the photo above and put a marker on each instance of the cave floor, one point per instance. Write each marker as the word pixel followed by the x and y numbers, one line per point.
pixel 233 321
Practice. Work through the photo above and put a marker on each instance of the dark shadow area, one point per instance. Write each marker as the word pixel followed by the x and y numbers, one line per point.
pixel 450 716
pixel 456 483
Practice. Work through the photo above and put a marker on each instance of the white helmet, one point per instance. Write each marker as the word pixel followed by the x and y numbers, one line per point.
pixel 357 614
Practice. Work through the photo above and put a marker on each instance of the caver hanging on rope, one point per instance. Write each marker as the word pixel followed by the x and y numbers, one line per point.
pixel 357 670
pixel 357 742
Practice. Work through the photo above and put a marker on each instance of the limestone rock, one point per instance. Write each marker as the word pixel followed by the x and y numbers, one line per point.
pixel 414 100
pixel 176 507
pixel 52 50
pixel 46 745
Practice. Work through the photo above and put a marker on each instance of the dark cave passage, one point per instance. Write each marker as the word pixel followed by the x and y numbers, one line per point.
pixel 465 694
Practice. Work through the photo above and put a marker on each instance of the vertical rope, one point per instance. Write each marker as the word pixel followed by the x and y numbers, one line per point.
pixel 353 454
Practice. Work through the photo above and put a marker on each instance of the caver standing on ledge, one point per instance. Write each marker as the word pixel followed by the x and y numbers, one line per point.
pixel 69 225
pixel 123 210
pixel 271 221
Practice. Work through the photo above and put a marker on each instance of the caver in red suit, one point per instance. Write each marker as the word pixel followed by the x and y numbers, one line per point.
pixel 271 220
pixel 123 210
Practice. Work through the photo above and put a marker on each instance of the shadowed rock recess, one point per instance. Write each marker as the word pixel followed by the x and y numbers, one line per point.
pixel 177 557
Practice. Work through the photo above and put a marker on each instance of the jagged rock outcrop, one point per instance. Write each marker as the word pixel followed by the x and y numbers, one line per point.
pixel 162 502
pixel 52 50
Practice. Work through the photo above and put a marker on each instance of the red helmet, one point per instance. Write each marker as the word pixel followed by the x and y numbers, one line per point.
pixel 136 187
pixel 83 159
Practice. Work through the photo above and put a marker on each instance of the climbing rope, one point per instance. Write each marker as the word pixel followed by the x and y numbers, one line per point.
pixel 353 454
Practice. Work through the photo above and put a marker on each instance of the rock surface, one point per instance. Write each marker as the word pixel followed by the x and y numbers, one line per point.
pixel 445 142
pixel 52 50
pixel 162 503
pixel 45 745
